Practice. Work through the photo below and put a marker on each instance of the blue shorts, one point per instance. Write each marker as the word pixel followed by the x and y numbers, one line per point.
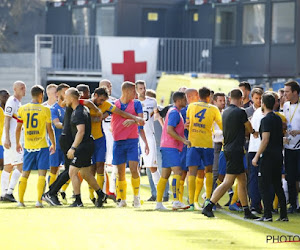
pixel 33 159
pixel 200 157
pixel 222 163
pixel 57 158
pixel 170 157
pixel 100 150
pixel 1 152
pixel 125 151
pixel 183 159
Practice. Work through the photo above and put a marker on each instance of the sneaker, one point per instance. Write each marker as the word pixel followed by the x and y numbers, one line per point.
pixel 152 198
pixel 291 210
pixel 165 199
pixel 179 205
pixel 112 196
pixel 51 199
pixel 207 212
pixel 256 210
pixel 122 204
pixel 275 211
pixel 197 206
pixel 191 208
pixel 76 204
pixel 251 216
pixel 20 204
pixel 136 202
pixel 38 205
pixel 1 198
pixel 101 199
pixel 93 201
pixel 9 197
pixel 235 207
pixel 160 206
pixel 265 219
pixel 283 219
pixel 206 202
pixel 63 197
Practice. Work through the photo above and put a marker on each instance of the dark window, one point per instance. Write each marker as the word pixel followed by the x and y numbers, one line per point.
pixel 80 21
pixel 105 23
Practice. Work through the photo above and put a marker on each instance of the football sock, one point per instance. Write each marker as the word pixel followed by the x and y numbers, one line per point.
pixel 192 184
pixel 4 182
pixel 78 198
pixel 65 186
pixel 175 186
pixel 246 210
pixel 13 181
pixel 209 184
pixel 91 192
pixel 52 178
pixel 22 188
pixel 210 205
pixel 117 190
pixel 199 186
pixel 181 190
pixel 218 182
pixel 113 180
pixel 155 178
pixel 235 195
pixel 136 185
pixel 40 187
pixel 161 188
pixel 122 189
pixel 100 180
pixel 275 202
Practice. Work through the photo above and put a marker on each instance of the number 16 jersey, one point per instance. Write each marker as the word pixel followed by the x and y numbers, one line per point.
pixel 201 117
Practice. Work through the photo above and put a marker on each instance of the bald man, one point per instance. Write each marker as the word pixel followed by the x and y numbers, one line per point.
pixel 11 156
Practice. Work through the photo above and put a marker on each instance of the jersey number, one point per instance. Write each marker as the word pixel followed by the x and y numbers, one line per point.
pixel 33 121
pixel 146 115
pixel 200 115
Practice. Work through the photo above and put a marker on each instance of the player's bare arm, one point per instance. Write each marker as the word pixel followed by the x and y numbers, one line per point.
pixel 18 135
pixel 248 128
pixel 92 106
pixel 57 123
pixel 7 143
pixel 171 131
pixel 137 119
pixel 143 136
pixel 52 138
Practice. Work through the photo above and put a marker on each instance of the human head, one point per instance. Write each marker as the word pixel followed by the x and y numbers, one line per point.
pixel 219 100
pixel 151 93
pixel 291 91
pixel 4 94
pixel 268 101
pixel 246 89
pixel 192 95
pixel 19 89
pixel 106 83
pixel 204 94
pixel 51 92
pixel 211 97
pixel 140 87
pixel 179 99
pixel 37 93
pixel 61 91
pixel 256 94
pixel 277 101
pixel 236 97
pixel 84 91
pixel 182 89
pixel 128 90
pixel 100 95
pixel 281 96
pixel 72 95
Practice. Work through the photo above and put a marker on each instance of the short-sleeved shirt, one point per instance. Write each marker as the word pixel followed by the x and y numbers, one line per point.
pixel 201 117
pixel 57 112
pixel 34 116
pixel 272 123
pixel 1 124
pixel 234 119
pixel 174 118
pixel 183 113
pixel 80 116
pixel 137 106
pixel 149 106
pixel 106 122
pixel 97 131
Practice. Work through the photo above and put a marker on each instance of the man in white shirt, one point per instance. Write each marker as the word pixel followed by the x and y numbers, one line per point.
pixel 291 111
pixel 11 156
pixel 51 94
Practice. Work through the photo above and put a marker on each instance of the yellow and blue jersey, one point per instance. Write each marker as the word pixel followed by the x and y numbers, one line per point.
pixel 201 117
pixel 1 124
pixel 97 131
pixel 34 116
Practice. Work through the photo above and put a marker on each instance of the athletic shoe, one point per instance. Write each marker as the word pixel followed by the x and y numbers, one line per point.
pixel 20 204
pixel 38 205
pixel 235 207
pixel 112 196
pixel 9 197
pixel 51 199
pixel 179 205
pixel 160 206
pixel 94 201
pixel 291 210
pixel 76 204
pixel 101 199
pixel 229 202
pixel 136 202
pixel 207 212
pixel 251 216
pixel 197 206
pixel 122 204
pixel 191 208
pixel 265 219
pixel 63 197
pixel 1 198
pixel 256 210
pixel 275 211
pixel 152 198
pixel 283 219
pixel 165 199
pixel 218 206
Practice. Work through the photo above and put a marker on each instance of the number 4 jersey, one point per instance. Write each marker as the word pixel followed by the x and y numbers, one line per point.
pixel 34 117
pixel 201 117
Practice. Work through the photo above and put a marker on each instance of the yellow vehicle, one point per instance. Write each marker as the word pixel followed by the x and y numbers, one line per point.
pixel 168 84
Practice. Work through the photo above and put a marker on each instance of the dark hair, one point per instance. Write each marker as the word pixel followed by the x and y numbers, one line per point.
pixel 36 90
pixel 257 91
pixel 4 92
pixel 178 96
pixel 294 86
pixel 83 88
pixel 215 97
pixel 236 94
pixel 269 100
pixel 246 85
pixel 62 86
pixel 151 93
pixel 101 91
pixel 204 92
pixel 140 82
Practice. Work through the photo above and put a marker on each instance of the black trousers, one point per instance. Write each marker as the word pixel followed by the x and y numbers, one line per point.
pixel 65 142
pixel 270 171
pixel 292 173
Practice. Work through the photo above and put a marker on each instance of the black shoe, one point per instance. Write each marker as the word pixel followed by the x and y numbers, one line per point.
pixel 101 199
pixel 275 211
pixel 265 219
pixel 207 212
pixel 152 198
pixel 291 210
pixel 283 219
pixel 51 199
pixel 9 197
pixel 2 198
pixel 229 202
pixel 251 216
pixel 76 204
pixel 165 199
pixel 112 197
pixel 94 201
pixel 256 210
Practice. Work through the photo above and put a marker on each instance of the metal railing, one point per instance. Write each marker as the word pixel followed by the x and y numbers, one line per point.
pixel 81 53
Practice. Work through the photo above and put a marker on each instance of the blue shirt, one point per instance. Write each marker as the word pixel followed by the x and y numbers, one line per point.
pixel 57 112
pixel 183 113
pixel 174 118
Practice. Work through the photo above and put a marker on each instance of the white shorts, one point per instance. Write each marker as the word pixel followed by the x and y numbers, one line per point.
pixel 109 147
pixel 11 156
pixel 150 160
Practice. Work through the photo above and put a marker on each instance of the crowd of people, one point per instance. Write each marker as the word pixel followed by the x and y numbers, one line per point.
pixel 246 144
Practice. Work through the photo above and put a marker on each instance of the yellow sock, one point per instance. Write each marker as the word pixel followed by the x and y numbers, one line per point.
pixel 22 188
pixel 209 184
pixel 40 187
pixel 161 185
pixel 218 182
pixel 100 180
pixel 192 188
pixel 91 191
pixel 235 195
pixel 275 202
pixel 136 185
pixel 123 189
pixel 65 186
pixel 52 178
pixel 10 174
pixel 199 186
pixel 175 187
pixel 181 190
pixel 117 190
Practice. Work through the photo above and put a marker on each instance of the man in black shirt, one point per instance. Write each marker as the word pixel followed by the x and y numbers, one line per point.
pixel 270 167
pixel 235 124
